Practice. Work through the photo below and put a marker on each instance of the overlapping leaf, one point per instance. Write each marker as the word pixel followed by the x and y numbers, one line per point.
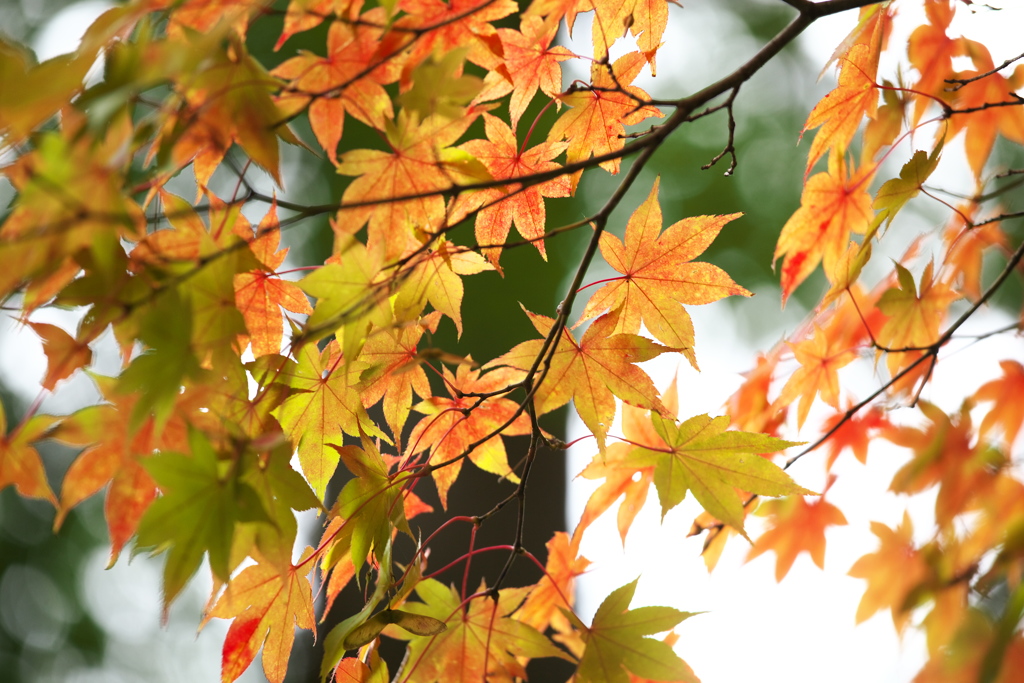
pixel 595 123
pixel 591 372
pixel 660 275
pixel 451 425
pixel 700 456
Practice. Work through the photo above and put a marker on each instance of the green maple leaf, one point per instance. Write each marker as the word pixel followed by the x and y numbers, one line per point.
pixel 201 504
pixel 372 502
pixel 895 193
pixel 158 373
pixel 616 642
pixel 702 457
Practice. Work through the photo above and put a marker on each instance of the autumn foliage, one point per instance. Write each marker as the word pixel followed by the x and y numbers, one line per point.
pixel 245 386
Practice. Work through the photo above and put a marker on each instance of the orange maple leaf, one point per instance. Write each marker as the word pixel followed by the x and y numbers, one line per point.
pixel 113 456
pixel 452 424
pixel 267 605
pixel 595 123
pixel 414 166
pixel 451 25
pixel 530 64
pixel 944 454
pixel 965 248
pixel 985 120
pixel 840 112
pixel 590 372
pixel 554 591
pixel 259 296
pixel 820 359
pixel 659 275
pixel 795 527
pixel 20 463
pixel 645 19
pixel 64 353
pixel 1007 411
pixel 749 405
pixel 892 572
pixel 931 52
pixel 395 372
pixel 525 207
pixel 833 205
pixel 350 78
pixel 622 476
pixel 855 433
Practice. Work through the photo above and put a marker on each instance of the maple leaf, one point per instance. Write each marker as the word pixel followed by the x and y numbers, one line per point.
pixel 450 426
pixel 645 19
pixel 259 297
pixel 64 353
pixel 114 455
pixel 324 405
pixel 435 277
pixel 455 24
pixel 839 113
pixel 395 371
pixel 348 297
pixel 350 79
pixel 89 214
pixel 796 526
pixel 530 64
pixel 984 124
pixel 525 205
pixel 749 405
pixel 595 123
pixel 659 275
pixel 931 52
pixel 481 642
pixel 303 15
pixel 820 360
pixel 370 502
pixel 855 433
pixel 833 205
pixel 622 476
pixel 555 589
pixel 20 464
pixel 267 604
pixel 616 644
pixel 892 572
pixel 700 456
pixel 945 454
pixel 966 245
pixel 591 372
pixel 231 96
pixel 196 513
pixel 895 193
pixel 414 166
pixel 1006 412
pixel 914 317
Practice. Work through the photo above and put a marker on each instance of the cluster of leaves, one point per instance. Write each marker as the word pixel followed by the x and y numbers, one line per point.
pixel 230 368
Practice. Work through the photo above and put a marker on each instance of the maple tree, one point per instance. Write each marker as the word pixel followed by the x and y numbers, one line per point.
pixel 247 385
